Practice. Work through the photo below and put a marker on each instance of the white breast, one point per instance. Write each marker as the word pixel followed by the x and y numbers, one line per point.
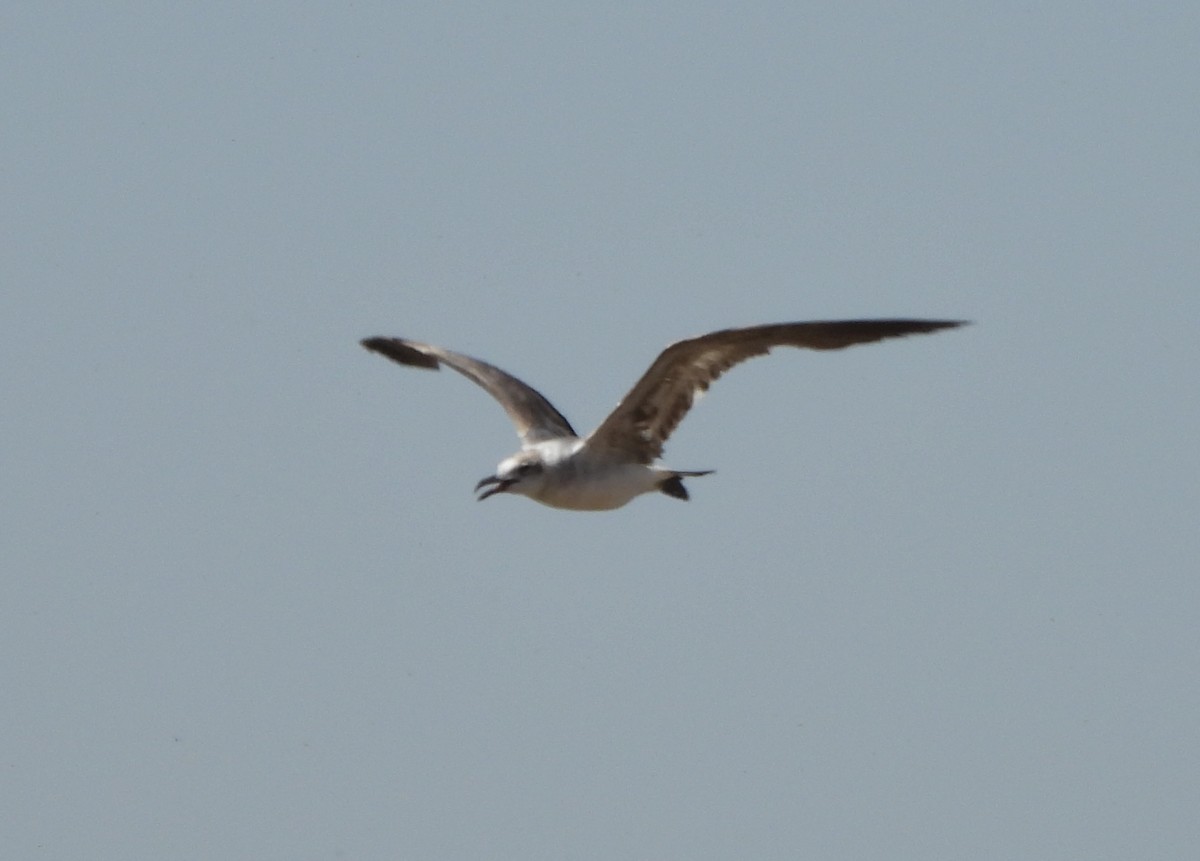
pixel 599 487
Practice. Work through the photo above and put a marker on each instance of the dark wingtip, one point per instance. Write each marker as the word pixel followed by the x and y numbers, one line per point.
pixel 920 326
pixel 400 351
pixel 894 328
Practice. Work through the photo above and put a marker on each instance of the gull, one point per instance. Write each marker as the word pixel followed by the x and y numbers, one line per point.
pixel 619 459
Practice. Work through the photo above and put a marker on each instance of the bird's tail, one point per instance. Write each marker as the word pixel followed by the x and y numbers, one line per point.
pixel 672 485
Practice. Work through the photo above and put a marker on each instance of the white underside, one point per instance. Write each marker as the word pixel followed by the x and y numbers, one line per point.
pixel 599 490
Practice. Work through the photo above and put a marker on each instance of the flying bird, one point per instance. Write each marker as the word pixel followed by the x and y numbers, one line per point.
pixel 619 459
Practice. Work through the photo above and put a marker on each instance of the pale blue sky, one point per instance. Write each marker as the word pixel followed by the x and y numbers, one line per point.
pixel 938 602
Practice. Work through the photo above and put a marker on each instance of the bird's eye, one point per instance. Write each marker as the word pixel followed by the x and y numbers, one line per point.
pixel 526 468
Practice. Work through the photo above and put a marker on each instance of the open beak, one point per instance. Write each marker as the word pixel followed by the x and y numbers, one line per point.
pixel 500 485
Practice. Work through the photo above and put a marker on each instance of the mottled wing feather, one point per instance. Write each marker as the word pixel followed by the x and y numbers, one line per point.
pixel 654 407
pixel 535 417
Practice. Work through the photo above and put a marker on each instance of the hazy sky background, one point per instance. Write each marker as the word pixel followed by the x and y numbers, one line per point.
pixel 939 600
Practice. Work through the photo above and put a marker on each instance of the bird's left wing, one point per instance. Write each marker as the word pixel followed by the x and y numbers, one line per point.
pixel 535 417
pixel 657 403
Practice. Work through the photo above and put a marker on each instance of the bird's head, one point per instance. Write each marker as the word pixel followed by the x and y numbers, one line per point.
pixel 522 473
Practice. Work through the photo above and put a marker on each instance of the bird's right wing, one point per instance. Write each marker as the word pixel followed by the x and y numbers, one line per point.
pixel 657 403
pixel 535 417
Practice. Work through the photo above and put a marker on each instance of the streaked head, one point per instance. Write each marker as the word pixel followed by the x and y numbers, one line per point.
pixel 522 473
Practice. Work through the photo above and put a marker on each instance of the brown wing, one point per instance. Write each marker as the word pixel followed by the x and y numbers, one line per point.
pixel 654 407
pixel 535 417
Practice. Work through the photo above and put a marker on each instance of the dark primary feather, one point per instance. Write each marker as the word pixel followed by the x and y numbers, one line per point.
pixel 654 407
pixel 535 417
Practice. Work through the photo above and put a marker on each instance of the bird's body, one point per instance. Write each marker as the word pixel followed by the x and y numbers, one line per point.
pixel 618 460
pixel 576 477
